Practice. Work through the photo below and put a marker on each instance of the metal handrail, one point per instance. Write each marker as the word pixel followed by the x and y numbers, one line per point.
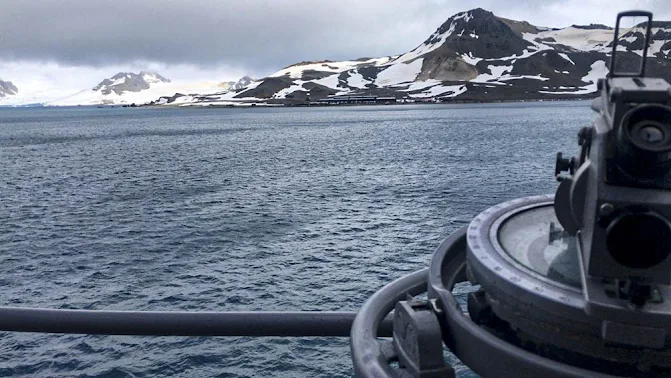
pixel 179 323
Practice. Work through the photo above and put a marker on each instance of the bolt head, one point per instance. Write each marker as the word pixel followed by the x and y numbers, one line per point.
pixel 606 209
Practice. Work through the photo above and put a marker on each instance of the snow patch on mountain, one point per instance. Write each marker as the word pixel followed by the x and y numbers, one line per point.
pixel 330 81
pixel 441 90
pixel 495 73
pixel 499 75
pixel 399 73
pixel 356 80
pixel 470 59
pixel 421 85
pixel 599 70
pixel 563 55
pixel 574 37
pixel 296 71
pixel 298 86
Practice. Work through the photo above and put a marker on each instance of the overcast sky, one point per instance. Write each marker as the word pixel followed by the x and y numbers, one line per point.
pixel 79 42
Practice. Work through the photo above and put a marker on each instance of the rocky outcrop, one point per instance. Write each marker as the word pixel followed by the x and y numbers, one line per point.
pixel 592 27
pixel 520 27
pixel 444 68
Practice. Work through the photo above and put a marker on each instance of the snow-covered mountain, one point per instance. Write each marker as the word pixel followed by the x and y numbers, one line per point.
pixel 122 88
pixel 129 82
pixel 7 88
pixel 474 55
pixel 126 88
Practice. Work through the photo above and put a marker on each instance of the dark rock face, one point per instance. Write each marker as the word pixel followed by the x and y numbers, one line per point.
pixel 549 64
pixel 7 88
pixel 519 27
pixel 637 43
pixel 443 68
pixel 268 88
pixel 370 72
pixel 592 27
pixel 319 91
pixel 662 34
pixel 482 34
pixel 129 82
pixel 168 99
pixel 315 75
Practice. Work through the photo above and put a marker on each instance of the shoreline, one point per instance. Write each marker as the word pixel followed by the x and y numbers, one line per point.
pixel 287 105
pixel 242 104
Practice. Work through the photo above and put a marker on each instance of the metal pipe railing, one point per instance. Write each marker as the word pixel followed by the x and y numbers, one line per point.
pixel 174 323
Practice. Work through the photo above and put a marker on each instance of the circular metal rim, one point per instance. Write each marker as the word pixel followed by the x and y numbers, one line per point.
pixel 498 272
pixel 470 342
pixel 494 240
pixel 629 129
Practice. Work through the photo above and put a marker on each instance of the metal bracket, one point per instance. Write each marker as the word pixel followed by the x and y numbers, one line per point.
pixel 418 340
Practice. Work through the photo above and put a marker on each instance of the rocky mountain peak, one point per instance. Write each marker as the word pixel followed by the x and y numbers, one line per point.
pixel 520 27
pixel 477 32
pixel 153 77
pixel 474 14
pixel 129 82
pixel 242 83
pixel 7 88
pixel 460 23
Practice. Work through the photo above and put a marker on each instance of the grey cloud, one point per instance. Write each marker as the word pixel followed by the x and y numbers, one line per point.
pixel 257 35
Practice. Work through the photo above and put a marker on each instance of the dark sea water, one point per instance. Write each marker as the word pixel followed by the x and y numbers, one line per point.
pixel 243 209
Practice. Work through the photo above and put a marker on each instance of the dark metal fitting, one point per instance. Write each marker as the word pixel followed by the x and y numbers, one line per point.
pixel 564 164
pixel 418 341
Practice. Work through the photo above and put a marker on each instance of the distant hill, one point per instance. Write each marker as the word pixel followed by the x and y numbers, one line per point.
pixel 122 88
pixel 127 88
